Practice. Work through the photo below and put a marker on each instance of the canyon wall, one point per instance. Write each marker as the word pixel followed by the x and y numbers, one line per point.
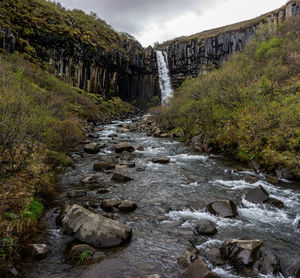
pixel 129 72
pixel 200 53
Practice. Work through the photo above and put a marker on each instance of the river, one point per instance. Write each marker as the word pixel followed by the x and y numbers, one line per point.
pixel 164 220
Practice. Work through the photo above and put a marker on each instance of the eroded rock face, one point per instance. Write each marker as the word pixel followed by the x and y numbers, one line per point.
pixel 241 252
pixel 94 229
pixel 223 208
pixel 198 269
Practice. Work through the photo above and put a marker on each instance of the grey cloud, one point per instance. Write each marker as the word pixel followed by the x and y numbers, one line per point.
pixel 133 15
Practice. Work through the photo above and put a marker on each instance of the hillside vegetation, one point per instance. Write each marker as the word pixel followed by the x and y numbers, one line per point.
pixel 31 19
pixel 42 119
pixel 250 107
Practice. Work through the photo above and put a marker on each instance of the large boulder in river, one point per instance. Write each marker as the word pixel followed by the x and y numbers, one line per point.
pixel 223 208
pixel 127 206
pixel 241 252
pixel 94 229
pixel 161 160
pixel 274 202
pixel 188 257
pixel 198 269
pixel 93 148
pixel 124 147
pixel 206 228
pixel 267 263
pixel 110 204
pixel 120 177
pixel 108 164
pixel 290 267
pixel 257 195
pixel 214 256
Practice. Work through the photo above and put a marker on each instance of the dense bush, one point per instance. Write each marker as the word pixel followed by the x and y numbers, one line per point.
pixel 249 107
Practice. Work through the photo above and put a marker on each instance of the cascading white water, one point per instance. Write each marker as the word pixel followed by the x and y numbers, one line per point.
pixel 164 76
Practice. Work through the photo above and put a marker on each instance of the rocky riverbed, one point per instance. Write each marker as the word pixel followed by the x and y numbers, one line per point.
pixel 136 205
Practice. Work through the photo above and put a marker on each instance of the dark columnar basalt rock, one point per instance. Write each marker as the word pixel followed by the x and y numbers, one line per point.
pixel 200 53
pixel 129 72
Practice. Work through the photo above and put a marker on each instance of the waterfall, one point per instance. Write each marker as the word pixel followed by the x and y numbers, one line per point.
pixel 164 76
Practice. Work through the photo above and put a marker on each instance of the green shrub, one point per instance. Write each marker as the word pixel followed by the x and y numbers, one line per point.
pixel 34 210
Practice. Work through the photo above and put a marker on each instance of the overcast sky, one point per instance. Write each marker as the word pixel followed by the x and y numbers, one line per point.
pixel 159 20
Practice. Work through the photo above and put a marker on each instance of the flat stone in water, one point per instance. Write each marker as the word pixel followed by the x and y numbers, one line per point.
pixel 223 208
pixel 257 195
pixel 161 160
pixel 117 176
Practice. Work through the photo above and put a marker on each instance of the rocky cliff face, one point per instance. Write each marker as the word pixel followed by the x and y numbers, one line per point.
pixel 98 61
pixel 130 74
pixel 202 52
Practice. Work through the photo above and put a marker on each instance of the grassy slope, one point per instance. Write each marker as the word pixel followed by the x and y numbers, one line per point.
pixel 251 106
pixel 31 18
pixel 41 120
pixel 243 25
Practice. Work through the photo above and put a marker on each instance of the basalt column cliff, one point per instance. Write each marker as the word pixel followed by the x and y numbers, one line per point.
pixel 83 50
pixel 199 53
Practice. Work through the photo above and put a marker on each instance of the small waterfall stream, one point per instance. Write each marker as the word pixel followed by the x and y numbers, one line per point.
pixel 164 76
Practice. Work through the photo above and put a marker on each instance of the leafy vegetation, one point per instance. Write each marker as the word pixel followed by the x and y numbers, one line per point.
pixel 250 107
pixel 34 210
pixel 84 256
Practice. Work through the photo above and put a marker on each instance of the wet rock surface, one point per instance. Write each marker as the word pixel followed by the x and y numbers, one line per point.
pixel 241 252
pixel 120 177
pixel 223 208
pixel 206 228
pixel 187 258
pixel 38 251
pixel 257 195
pixel 198 269
pixel 124 147
pixel 161 160
pixel 94 229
